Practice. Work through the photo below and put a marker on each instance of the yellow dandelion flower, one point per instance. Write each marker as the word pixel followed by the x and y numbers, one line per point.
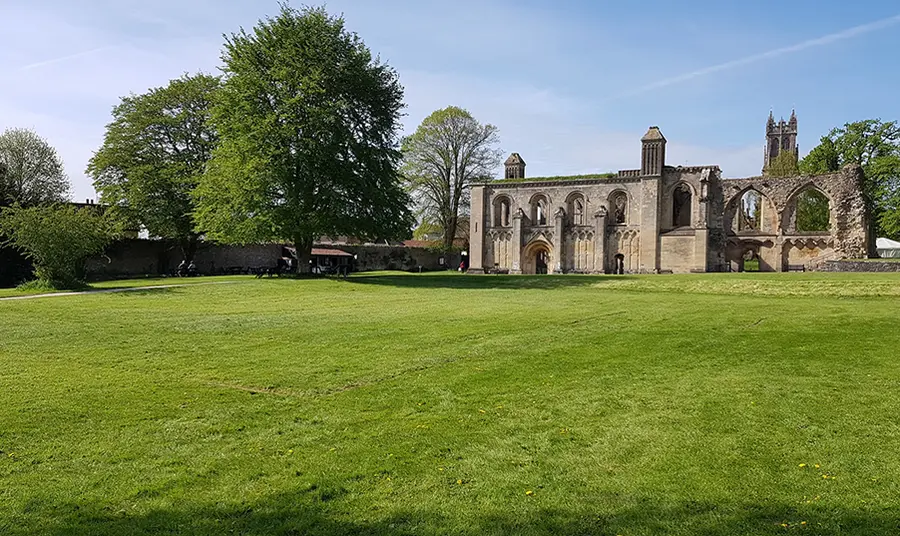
pixel 459 482
pixel 803 522
pixel 481 411
pixel 529 493
pixel 817 466
pixel 802 465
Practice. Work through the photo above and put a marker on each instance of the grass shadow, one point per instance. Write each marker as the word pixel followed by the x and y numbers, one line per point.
pixel 310 510
pixel 477 282
pixel 127 291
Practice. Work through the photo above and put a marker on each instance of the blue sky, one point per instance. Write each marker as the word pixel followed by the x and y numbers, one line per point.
pixel 571 85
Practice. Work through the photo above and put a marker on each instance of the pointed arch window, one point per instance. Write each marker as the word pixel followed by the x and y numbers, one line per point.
pixel 812 211
pixel 539 208
pixel 620 208
pixel 501 212
pixel 750 211
pixel 681 206
pixel 576 209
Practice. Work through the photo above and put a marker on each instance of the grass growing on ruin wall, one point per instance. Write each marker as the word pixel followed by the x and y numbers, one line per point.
pixel 443 404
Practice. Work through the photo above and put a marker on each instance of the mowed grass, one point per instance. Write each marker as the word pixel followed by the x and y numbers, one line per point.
pixel 712 404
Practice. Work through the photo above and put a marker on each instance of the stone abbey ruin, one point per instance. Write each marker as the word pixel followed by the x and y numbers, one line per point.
pixel 662 218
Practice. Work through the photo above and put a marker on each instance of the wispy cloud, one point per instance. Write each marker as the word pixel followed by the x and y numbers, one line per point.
pixel 68 57
pixel 811 43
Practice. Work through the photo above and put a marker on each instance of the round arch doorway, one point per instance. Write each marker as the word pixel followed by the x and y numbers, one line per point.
pixel 538 259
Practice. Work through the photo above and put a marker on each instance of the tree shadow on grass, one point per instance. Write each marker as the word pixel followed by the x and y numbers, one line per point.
pixel 316 512
pixel 455 281
pixel 126 292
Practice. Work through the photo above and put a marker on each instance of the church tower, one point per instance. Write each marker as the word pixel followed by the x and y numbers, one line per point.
pixel 515 167
pixel 780 137
pixel 653 153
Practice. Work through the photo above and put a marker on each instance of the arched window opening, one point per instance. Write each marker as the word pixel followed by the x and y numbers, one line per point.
pixel 620 207
pixel 786 143
pixel 681 206
pixel 501 212
pixel 774 146
pixel 813 211
pixel 619 267
pixel 751 260
pixel 750 212
pixel 539 207
pixel 576 209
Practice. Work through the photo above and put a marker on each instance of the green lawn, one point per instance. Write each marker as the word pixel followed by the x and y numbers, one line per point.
pixel 707 404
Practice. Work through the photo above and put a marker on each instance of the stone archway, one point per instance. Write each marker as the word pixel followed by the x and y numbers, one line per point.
pixel 537 258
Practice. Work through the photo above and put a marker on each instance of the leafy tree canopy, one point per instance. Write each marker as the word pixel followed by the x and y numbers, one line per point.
pixel 58 239
pixel 31 172
pixel 448 151
pixel 309 126
pixel 783 165
pixel 153 154
pixel 875 146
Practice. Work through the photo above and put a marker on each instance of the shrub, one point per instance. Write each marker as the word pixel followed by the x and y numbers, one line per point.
pixel 58 239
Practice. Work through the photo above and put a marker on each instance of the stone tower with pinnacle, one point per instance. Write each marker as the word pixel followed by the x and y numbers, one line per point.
pixel 780 137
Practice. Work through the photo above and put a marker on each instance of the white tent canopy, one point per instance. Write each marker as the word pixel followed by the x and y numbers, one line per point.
pixel 887 248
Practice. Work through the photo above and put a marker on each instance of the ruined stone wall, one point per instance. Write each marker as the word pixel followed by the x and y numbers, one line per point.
pixel 861 266
pixel 777 242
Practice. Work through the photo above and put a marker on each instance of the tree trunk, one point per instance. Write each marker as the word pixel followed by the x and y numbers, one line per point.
pixel 450 233
pixel 303 245
pixel 189 248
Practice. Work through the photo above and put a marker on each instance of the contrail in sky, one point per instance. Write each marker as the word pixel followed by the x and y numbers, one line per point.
pixel 64 58
pixel 812 43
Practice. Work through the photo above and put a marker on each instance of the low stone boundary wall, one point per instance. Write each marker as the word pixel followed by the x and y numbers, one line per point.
pixel 860 266
pixel 137 257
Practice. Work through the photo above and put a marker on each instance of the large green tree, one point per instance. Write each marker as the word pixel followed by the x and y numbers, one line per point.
pixel 874 145
pixel 33 173
pixel 309 128
pixel 448 151
pixel 153 154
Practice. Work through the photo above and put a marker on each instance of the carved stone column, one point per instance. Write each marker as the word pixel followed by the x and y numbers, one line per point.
pixel 515 245
pixel 701 226
pixel 559 222
pixel 600 241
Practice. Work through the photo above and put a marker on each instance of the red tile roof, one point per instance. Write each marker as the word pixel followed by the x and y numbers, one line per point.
pixel 321 252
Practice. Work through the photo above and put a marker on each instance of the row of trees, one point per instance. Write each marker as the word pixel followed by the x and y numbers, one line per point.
pixel 298 139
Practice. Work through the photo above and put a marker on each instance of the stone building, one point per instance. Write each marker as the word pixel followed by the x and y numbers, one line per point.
pixel 661 218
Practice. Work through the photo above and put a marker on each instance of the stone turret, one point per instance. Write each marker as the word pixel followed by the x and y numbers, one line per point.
pixel 515 167
pixel 653 153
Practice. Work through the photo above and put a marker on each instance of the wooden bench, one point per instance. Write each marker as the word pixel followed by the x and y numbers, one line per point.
pixel 796 268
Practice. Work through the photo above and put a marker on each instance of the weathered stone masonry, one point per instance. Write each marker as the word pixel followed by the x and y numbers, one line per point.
pixel 660 218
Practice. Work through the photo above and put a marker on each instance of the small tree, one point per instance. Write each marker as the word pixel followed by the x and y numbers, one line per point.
pixel 58 239
pixel 32 172
pixel 784 165
pixel 447 152
pixel 153 154
pixel 308 123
